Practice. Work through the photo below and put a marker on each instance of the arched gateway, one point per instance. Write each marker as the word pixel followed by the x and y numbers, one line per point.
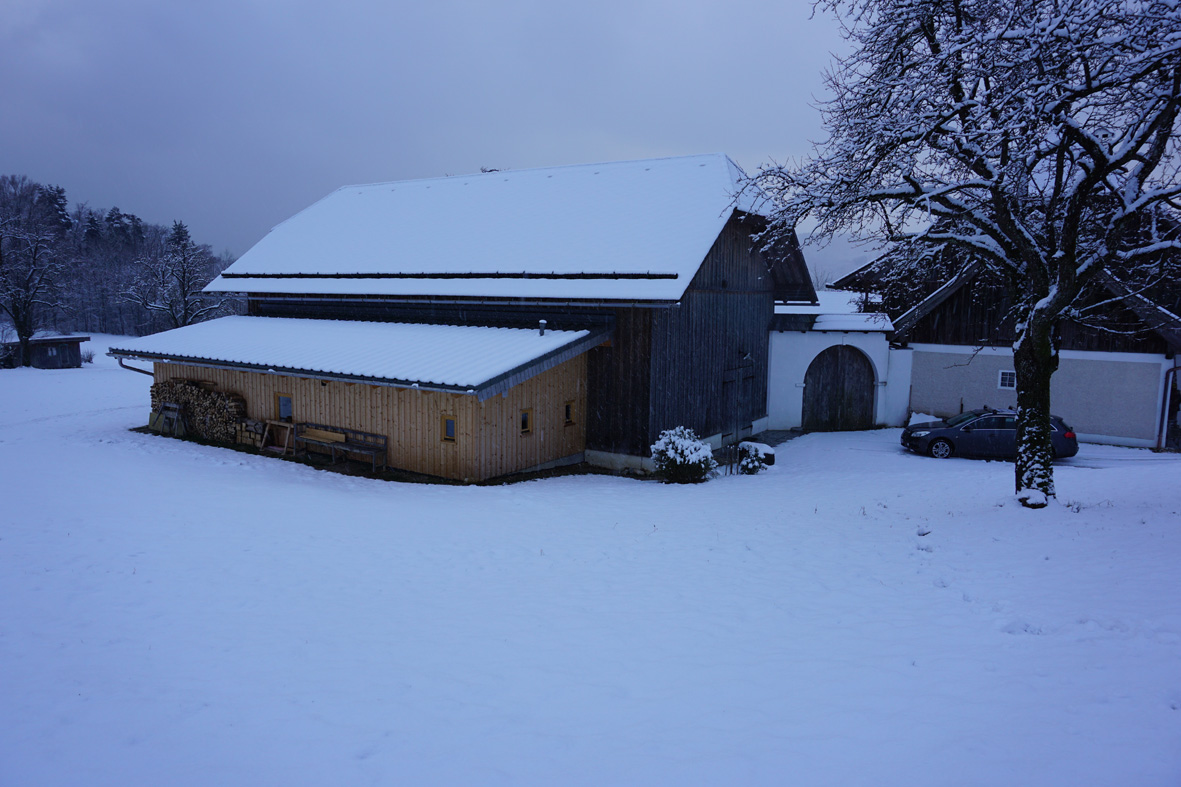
pixel 838 391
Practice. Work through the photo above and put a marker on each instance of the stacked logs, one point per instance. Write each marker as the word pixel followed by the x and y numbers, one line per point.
pixel 250 432
pixel 209 414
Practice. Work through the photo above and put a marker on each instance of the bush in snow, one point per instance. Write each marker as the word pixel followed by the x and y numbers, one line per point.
pixel 751 459
pixel 681 458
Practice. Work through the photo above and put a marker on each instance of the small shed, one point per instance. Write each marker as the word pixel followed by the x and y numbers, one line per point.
pixel 47 350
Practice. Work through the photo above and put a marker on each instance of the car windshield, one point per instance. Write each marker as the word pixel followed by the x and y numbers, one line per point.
pixel 956 420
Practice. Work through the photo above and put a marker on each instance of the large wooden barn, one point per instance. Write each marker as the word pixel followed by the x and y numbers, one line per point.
pixel 495 323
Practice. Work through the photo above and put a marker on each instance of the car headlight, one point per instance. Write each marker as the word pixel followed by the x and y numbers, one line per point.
pixel 919 434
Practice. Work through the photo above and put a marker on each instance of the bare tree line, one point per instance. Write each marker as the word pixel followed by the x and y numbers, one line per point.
pixel 96 271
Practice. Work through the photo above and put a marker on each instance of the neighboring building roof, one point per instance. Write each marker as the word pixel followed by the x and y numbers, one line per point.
pixel 51 337
pixel 1157 317
pixel 633 230
pixel 836 312
pixel 931 302
pixel 460 359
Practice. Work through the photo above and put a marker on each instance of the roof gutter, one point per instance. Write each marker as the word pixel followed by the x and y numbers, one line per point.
pixel 132 368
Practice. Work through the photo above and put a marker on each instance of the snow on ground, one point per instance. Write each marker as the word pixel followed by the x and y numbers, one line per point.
pixel 179 614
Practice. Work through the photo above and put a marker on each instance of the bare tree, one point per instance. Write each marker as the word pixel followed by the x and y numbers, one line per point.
pixel 170 280
pixel 30 269
pixel 1034 137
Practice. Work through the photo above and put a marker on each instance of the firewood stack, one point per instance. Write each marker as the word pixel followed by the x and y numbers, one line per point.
pixel 250 432
pixel 210 415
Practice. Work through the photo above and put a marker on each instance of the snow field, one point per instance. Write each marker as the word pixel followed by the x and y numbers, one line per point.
pixel 179 614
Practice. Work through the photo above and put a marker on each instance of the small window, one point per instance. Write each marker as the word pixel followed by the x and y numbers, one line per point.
pixel 526 421
pixel 448 429
pixel 283 407
pixel 568 412
pixel 1008 381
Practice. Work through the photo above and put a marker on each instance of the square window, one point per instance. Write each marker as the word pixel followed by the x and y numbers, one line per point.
pixel 1007 380
pixel 447 433
pixel 526 421
pixel 283 406
pixel 568 411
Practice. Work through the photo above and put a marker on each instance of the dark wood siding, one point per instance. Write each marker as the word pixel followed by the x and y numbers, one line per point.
pixel 709 355
pixel 45 354
pixel 452 313
pixel 978 315
pixel 618 387
pixel 791 280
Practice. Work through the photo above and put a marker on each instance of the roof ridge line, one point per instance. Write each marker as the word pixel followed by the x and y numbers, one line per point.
pixel 527 170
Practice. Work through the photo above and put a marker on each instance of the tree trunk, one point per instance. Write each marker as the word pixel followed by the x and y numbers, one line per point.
pixel 1036 359
pixel 22 322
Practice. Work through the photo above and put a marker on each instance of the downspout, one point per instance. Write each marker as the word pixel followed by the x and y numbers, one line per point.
pixel 133 369
pixel 1162 434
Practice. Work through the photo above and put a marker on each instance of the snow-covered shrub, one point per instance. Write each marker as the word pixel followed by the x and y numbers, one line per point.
pixel 88 356
pixel 681 458
pixel 751 458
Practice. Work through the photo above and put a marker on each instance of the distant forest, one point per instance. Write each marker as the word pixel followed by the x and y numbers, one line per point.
pixel 102 271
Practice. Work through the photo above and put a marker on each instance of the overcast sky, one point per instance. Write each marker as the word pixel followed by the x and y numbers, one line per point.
pixel 232 115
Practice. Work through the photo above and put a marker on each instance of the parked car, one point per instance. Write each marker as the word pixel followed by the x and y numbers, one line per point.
pixel 991 433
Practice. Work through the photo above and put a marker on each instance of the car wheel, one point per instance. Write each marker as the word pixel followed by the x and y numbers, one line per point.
pixel 940 449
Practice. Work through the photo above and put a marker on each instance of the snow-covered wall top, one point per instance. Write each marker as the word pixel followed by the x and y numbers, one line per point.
pixel 838 311
pixel 432 355
pixel 635 230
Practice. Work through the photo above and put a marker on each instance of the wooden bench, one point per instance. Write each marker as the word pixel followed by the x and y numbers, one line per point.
pixel 341 441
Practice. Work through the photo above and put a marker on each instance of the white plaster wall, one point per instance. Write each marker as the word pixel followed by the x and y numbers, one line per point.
pixel 1107 397
pixel 898 384
pixel 793 351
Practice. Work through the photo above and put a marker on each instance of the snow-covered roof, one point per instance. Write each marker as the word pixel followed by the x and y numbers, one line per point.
pixel 47 337
pixel 830 302
pixel 633 230
pixel 837 311
pixel 463 359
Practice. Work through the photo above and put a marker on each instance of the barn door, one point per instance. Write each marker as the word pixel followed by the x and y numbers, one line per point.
pixel 838 391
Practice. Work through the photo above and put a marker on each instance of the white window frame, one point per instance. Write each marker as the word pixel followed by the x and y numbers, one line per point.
pixel 1000 380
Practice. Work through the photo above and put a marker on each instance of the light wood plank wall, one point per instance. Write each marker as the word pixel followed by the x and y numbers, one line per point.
pixel 488 441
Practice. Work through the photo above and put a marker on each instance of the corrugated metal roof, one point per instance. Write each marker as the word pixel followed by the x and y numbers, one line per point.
pixel 635 230
pixel 454 357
